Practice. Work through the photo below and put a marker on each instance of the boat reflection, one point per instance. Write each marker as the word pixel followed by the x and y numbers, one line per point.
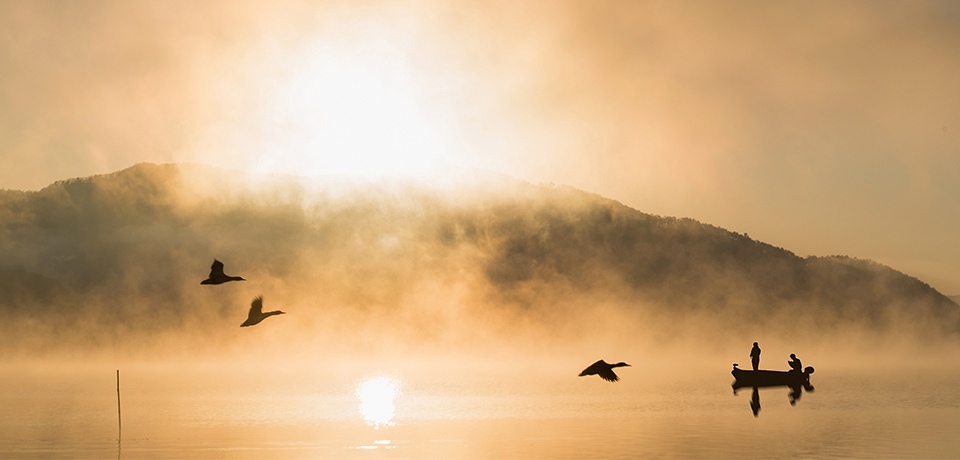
pixel 795 380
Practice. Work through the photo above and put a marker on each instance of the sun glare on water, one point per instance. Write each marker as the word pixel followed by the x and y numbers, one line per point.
pixel 376 397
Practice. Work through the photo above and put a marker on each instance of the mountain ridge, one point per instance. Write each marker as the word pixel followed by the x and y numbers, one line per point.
pixel 145 234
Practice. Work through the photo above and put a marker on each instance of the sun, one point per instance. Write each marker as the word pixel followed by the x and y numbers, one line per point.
pixel 351 110
pixel 376 397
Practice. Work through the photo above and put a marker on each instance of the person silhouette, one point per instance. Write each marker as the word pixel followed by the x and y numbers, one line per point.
pixel 755 356
pixel 795 365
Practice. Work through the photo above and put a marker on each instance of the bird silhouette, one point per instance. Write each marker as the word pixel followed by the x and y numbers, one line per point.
pixel 256 313
pixel 217 276
pixel 604 370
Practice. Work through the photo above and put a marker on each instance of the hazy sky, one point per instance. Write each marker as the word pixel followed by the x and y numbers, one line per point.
pixel 821 127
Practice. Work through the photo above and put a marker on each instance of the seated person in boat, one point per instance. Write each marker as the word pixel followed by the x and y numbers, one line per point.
pixel 794 363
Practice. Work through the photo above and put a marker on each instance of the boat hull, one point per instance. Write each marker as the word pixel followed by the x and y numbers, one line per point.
pixel 763 378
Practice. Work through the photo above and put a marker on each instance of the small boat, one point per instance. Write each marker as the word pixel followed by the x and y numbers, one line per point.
pixel 793 379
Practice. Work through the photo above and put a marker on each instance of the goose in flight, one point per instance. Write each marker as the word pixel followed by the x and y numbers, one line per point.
pixel 217 276
pixel 256 313
pixel 604 370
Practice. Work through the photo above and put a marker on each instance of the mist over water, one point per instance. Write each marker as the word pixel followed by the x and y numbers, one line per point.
pixel 420 315
pixel 449 316
pixel 494 408
pixel 115 261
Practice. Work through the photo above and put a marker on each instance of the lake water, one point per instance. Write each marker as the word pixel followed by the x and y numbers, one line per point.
pixel 183 413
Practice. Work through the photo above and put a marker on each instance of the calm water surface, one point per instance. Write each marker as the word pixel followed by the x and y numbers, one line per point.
pixel 60 414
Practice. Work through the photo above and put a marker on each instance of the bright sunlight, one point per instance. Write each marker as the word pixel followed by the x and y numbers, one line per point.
pixel 358 111
pixel 376 397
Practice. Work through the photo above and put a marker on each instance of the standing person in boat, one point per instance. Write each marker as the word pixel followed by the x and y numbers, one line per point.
pixel 755 356
pixel 794 363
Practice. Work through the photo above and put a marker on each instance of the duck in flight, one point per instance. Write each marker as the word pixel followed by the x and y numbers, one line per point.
pixel 217 276
pixel 604 370
pixel 256 313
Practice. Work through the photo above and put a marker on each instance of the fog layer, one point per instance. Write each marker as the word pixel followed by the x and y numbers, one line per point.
pixel 114 262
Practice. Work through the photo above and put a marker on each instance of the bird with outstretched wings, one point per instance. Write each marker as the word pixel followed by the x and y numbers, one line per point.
pixel 256 313
pixel 604 370
pixel 217 276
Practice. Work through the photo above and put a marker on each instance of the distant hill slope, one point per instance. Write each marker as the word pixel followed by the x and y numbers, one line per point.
pixel 128 249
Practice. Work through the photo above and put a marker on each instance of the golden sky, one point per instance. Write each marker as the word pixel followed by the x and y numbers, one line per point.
pixel 821 127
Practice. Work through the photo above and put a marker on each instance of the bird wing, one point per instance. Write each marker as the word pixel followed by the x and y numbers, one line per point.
pixel 216 269
pixel 256 307
pixel 608 375
pixel 594 368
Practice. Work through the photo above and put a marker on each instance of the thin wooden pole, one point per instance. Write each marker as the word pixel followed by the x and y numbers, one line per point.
pixel 119 423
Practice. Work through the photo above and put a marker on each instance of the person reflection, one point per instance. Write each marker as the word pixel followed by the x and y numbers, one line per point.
pixel 755 356
pixel 795 392
pixel 797 379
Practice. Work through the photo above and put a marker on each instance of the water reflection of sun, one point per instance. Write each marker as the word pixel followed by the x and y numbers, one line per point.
pixel 376 397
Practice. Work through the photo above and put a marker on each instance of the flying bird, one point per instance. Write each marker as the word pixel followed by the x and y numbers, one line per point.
pixel 256 313
pixel 217 276
pixel 604 370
